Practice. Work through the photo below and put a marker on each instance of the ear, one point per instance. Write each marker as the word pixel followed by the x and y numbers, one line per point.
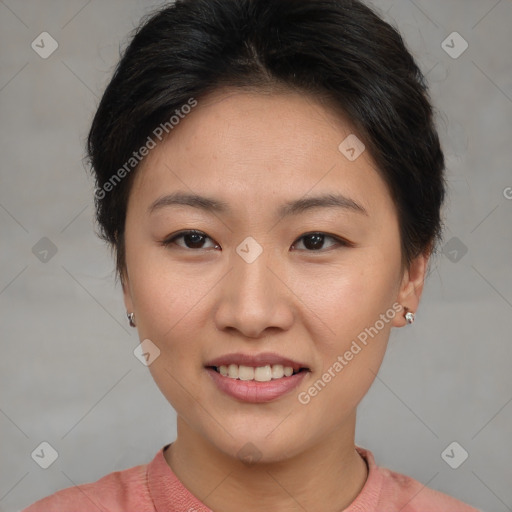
pixel 411 287
pixel 127 294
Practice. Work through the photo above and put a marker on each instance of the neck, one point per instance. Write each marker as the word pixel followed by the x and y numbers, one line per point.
pixel 329 472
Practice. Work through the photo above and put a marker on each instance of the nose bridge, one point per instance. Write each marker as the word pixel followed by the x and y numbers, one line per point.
pixel 252 298
pixel 252 277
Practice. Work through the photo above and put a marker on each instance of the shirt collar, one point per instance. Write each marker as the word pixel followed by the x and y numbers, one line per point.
pixel 170 495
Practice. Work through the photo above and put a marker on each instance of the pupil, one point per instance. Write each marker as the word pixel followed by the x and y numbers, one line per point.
pixel 196 238
pixel 311 241
pixel 316 239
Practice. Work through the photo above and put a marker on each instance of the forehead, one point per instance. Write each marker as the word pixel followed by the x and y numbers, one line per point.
pixel 253 146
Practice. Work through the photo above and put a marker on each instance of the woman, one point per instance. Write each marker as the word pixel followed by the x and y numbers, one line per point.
pixel 270 178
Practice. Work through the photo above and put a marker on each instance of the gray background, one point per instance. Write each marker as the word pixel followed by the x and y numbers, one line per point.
pixel 68 373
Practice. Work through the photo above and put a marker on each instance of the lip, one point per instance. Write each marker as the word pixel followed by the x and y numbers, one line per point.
pixel 253 391
pixel 256 360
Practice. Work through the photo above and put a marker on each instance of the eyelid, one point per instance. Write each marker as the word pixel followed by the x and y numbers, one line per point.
pixel 343 242
pixel 171 238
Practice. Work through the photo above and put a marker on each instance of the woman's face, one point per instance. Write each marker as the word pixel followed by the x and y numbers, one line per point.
pixel 314 287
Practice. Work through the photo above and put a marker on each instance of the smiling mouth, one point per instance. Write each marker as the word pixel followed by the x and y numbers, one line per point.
pixel 265 373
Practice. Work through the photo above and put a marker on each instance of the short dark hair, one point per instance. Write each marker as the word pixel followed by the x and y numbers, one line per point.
pixel 339 50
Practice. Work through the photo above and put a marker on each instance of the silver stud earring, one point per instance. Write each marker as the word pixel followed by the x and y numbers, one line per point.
pixel 131 319
pixel 409 317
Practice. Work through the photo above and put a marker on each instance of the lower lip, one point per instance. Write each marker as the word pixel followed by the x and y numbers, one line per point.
pixel 254 391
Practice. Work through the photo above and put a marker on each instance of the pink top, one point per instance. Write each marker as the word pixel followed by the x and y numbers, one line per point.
pixel 154 487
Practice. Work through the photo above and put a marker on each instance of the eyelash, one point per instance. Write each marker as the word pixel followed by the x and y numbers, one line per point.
pixel 171 240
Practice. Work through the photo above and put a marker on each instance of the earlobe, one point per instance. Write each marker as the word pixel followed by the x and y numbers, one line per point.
pixel 131 319
pixel 128 301
pixel 411 289
pixel 127 297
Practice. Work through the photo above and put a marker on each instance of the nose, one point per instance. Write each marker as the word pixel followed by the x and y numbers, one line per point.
pixel 254 298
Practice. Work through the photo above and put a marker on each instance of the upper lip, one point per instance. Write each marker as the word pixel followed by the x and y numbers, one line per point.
pixel 263 359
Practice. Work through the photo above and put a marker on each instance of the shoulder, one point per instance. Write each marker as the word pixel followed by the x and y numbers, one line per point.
pixel 413 496
pixel 120 491
pixel 387 491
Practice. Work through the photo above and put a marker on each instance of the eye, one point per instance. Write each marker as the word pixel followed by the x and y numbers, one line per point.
pixel 314 241
pixel 193 240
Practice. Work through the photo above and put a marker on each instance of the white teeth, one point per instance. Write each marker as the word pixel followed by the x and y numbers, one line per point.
pixel 263 373
pixel 245 372
pixel 277 371
pixel 233 371
pixel 288 371
pixel 260 374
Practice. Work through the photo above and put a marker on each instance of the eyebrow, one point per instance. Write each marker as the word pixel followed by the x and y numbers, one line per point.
pixel 290 208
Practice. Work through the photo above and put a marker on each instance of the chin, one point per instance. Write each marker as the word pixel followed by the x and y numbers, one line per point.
pixel 252 442
pixel 256 450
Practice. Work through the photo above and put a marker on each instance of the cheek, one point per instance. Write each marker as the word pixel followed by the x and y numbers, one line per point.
pixel 163 294
pixel 354 313
pixel 348 298
pixel 351 340
pixel 168 303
